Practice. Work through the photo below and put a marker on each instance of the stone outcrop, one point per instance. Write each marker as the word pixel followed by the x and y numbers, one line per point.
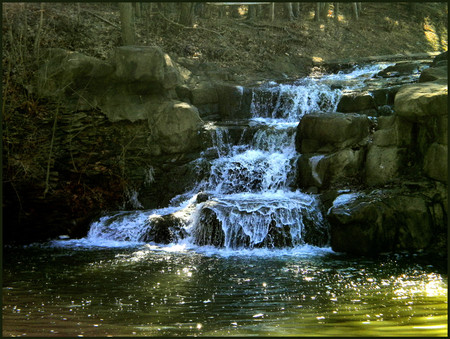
pixel 331 145
pixel 407 150
pixel 327 132
pixel 387 220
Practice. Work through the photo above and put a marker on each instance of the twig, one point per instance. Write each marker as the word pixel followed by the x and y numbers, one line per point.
pixel 186 27
pixel 101 18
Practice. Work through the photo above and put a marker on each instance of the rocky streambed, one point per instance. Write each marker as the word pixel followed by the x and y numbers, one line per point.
pixel 373 156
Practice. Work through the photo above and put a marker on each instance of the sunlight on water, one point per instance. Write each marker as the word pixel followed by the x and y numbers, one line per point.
pixel 183 290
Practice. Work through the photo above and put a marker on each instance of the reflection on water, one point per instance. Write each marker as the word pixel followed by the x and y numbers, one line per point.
pixel 152 291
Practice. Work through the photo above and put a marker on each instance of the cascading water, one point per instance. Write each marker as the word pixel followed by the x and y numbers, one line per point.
pixel 247 199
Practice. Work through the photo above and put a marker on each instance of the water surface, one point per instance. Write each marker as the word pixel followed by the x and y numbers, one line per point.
pixel 148 290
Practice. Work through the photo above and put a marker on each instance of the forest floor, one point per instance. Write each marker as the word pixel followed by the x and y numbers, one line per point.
pixel 237 44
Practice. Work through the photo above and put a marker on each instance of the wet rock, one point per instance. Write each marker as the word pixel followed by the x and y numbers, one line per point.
pixel 418 102
pixel 165 229
pixel 384 221
pixel 356 102
pixel 324 170
pixel 209 229
pixel 234 101
pixel 385 96
pixel 401 68
pixel 328 132
pixel 202 197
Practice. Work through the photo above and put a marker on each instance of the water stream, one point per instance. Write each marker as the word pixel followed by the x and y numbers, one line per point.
pixel 248 253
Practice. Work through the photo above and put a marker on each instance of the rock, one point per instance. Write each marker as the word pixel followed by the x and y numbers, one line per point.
pixel 328 132
pixel 392 131
pixel 401 68
pixel 147 64
pixel 164 229
pixel 382 221
pixel 441 57
pixel 209 230
pixel 417 102
pixel 356 102
pixel 385 110
pixel 234 102
pixel 434 73
pixel 385 96
pixel 118 103
pixel 175 127
pixel 65 71
pixel 383 164
pixel 324 170
pixel 202 197
pixel 435 162
pixel 204 93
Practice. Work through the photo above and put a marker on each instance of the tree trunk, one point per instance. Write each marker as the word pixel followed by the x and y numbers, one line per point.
pixel 252 12
pixel 336 11
pixel 317 12
pixel 186 14
pixel 289 14
pixel 296 9
pixel 137 7
pixel 272 11
pixel 235 12
pixel 324 10
pixel 127 23
pixel 355 10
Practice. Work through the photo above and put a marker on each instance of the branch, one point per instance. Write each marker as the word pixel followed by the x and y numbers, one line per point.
pixel 101 18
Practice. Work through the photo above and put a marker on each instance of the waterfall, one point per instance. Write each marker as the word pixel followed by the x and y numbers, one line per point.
pixel 246 197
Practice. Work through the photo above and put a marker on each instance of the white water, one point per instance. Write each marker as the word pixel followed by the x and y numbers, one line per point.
pixel 249 183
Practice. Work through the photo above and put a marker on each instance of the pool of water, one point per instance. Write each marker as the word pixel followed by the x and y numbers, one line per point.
pixel 148 290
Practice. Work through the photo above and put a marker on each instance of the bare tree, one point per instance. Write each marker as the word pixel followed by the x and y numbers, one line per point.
pixel 289 12
pixel 355 10
pixel 336 11
pixel 186 17
pixel 127 23
pixel 296 9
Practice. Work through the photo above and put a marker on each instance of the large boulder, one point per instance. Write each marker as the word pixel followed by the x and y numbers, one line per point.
pixel 147 64
pixel 384 221
pixel 175 126
pixel 434 73
pixel 356 102
pixel 164 229
pixel 234 101
pixel 65 72
pixel 326 169
pixel 392 131
pixel 383 164
pixel 435 162
pixel 400 68
pixel 418 102
pixel 328 132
